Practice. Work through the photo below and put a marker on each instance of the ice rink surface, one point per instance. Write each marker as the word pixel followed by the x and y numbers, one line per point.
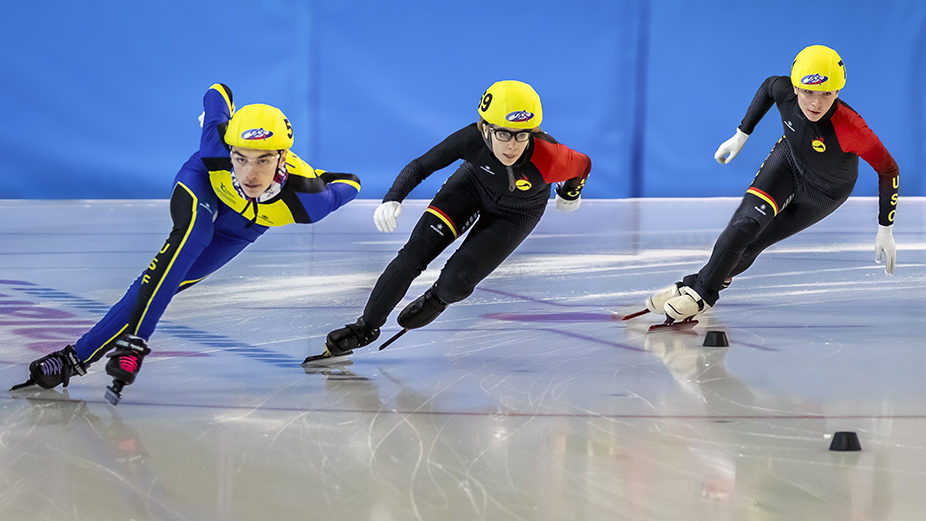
pixel 528 401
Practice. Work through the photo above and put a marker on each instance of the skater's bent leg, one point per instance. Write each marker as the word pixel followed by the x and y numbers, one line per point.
pixel 489 243
pixel 808 208
pixel 749 220
pixel 772 190
pixel 230 237
pixel 429 238
pixel 143 304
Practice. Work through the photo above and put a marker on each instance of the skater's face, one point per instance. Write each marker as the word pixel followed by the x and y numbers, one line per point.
pixel 508 151
pixel 255 168
pixel 814 104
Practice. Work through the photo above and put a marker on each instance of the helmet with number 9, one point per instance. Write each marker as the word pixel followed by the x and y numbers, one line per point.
pixel 818 68
pixel 511 104
pixel 259 126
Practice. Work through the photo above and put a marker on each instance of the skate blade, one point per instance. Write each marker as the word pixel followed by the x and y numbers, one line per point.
pixel 114 392
pixel 327 359
pixel 112 396
pixel 28 383
pixel 633 315
pixel 393 338
pixel 670 325
pixel 337 369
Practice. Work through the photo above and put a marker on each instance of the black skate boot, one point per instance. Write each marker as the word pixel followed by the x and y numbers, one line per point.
pixel 343 341
pixel 124 364
pixel 54 369
pixel 422 311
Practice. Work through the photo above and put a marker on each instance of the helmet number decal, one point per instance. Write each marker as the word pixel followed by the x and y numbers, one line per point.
pixel 486 101
pixel 289 128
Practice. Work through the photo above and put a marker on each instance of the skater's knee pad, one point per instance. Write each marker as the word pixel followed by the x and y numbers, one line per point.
pixel 742 230
pixel 457 283
pixel 413 259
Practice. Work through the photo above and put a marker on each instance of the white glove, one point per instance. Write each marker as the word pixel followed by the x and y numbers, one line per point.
pixel 565 205
pixel 387 216
pixel 202 117
pixel 885 248
pixel 729 148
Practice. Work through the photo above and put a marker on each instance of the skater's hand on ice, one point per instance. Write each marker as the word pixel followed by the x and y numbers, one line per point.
pixel 885 248
pixel 567 205
pixel 387 216
pixel 731 147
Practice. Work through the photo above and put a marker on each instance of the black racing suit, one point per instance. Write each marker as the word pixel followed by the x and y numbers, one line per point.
pixel 809 173
pixel 500 204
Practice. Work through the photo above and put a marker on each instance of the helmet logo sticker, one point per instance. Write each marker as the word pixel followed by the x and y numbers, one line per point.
pixel 256 134
pixel 813 79
pixel 519 116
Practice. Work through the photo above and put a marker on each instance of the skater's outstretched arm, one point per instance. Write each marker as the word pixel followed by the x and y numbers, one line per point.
pixel 218 108
pixel 440 156
pixel 317 192
pixel 854 136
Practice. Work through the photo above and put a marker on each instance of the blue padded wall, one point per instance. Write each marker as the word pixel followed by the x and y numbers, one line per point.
pixel 101 98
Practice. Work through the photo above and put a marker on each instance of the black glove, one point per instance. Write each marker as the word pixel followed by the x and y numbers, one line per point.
pixel 563 191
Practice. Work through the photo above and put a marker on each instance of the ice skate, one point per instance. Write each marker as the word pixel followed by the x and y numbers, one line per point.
pixel 686 305
pixel 342 342
pixel 680 310
pixel 54 369
pixel 124 364
pixel 656 301
pixel 422 311
pixel 672 325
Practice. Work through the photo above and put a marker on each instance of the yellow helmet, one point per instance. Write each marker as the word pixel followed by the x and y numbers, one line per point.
pixel 259 126
pixel 818 68
pixel 511 104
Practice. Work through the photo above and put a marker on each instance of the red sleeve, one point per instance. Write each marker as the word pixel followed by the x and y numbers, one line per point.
pixel 558 163
pixel 855 136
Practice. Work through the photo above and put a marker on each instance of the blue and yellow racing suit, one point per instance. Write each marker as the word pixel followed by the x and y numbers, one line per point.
pixel 213 221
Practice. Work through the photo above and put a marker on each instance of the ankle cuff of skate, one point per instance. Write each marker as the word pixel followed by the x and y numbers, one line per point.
pixel 71 357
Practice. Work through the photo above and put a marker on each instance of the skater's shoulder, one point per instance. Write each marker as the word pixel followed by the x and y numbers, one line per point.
pixel 467 133
pixel 295 165
pixel 557 162
pixel 459 141
pixel 778 81
pixel 549 151
pixel 779 87
pixel 847 119
pixel 846 113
